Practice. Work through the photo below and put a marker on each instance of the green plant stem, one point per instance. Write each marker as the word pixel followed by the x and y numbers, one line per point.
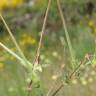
pixel 42 32
pixel 13 54
pixel 94 55
pixel 77 68
pixel 66 33
pixel 69 77
pixel 51 88
pixel 13 39
pixel 57 90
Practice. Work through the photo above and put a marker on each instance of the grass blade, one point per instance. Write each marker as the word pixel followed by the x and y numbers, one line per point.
pixel 13 39
pixel 13 54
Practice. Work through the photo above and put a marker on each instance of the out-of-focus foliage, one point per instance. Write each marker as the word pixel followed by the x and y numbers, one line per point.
pixel 40 4
pixel 26 23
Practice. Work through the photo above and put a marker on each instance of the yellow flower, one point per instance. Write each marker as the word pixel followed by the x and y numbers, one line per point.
pixel 3 4
pixel 10 3
pixel 27 40
pixel 31 40
pixel 15 3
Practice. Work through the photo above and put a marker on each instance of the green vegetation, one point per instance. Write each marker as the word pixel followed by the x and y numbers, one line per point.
pixel 51 49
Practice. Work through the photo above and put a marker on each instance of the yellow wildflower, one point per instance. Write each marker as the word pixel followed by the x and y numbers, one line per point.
pixel 8 4
pixel 3 4
pixel 15 3
pixel 31 40
pixel 27 40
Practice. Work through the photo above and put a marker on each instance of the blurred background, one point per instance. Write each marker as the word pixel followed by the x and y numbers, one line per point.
pixel 25 19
